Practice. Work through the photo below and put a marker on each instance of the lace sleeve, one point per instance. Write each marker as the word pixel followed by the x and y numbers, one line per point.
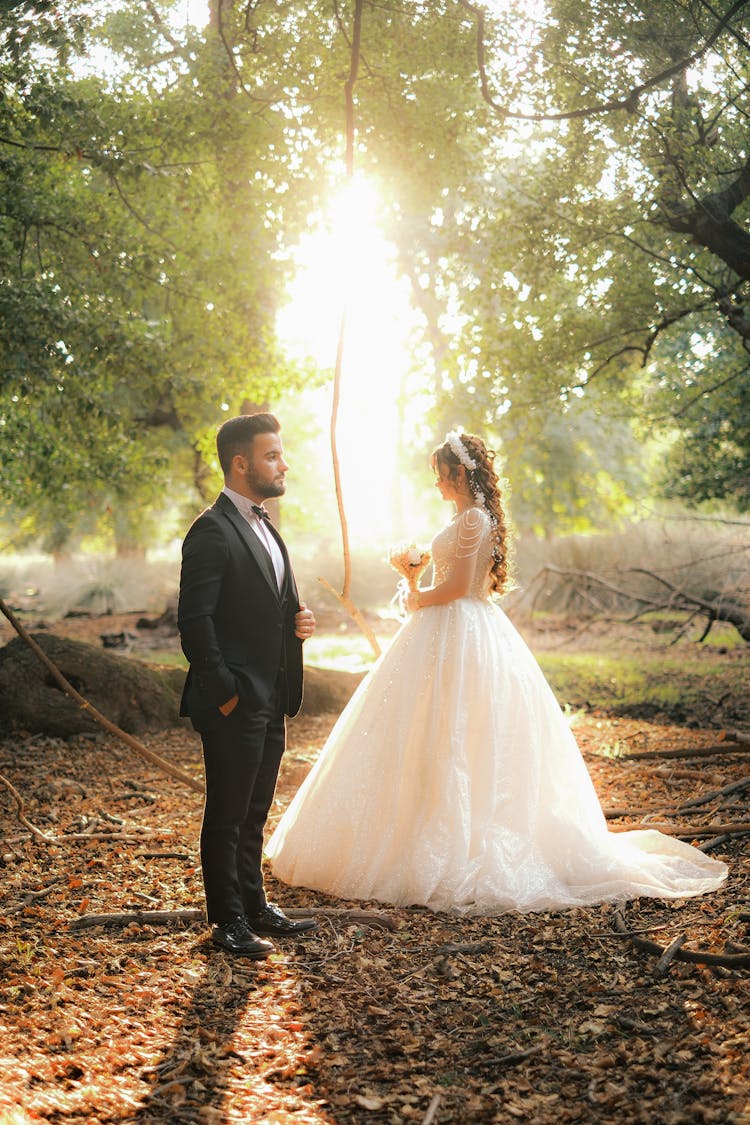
pixel 471 528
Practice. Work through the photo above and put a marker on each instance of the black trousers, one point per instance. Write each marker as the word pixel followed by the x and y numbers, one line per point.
pixel 242 760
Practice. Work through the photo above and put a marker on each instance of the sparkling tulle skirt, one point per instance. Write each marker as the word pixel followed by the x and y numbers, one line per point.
pixel 452 780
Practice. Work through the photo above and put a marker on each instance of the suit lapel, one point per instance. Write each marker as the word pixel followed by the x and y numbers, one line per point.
pixel 288 583
pixel 252 542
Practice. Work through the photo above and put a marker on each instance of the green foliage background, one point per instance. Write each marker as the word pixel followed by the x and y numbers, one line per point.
pixel 566 192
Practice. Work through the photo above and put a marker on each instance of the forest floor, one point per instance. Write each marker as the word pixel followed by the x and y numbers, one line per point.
pixel 383 1015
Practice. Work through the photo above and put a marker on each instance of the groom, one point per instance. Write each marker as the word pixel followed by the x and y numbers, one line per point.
pixel 241 627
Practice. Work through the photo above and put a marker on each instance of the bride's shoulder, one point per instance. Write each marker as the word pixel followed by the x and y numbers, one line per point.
pixel 473 519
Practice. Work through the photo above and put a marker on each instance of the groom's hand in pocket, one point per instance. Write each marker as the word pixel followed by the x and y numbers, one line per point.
pixel 229 706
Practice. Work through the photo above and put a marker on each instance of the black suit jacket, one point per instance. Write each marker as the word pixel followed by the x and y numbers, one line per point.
pixel 236 629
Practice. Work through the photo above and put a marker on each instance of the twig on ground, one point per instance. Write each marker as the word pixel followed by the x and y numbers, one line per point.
pixel 631 1024
pixel 32 896
pixel 345 914
pixel 629 933
pixel 518 1056
pixel 432 1109
pixel 696 956
pixel 615 814
pixel 466 947
pixel 661 968
pixel 684 774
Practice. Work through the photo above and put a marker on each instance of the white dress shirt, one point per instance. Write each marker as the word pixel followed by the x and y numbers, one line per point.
pixel 244 506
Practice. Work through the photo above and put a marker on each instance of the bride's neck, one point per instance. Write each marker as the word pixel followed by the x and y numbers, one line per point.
pixel 463 502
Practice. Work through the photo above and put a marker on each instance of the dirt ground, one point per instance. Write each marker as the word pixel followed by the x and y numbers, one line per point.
pixel 382 1015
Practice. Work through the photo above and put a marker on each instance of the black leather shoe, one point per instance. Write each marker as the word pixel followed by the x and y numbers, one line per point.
pixel 237 937
pixel 272 920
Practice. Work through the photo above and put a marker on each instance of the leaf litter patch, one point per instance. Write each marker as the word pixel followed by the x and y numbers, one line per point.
pixel 382 1015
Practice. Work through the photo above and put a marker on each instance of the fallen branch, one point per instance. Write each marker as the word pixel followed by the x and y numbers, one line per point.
pixel 36 832
pixel 695 956
pixel 141 917
pixel 675 598
pixel 689 830
pixel 97 716
pixel 614 814
pixel 714 842
pixel 517 1056
pixel 732 947
pixel 695 752
pixel 32 896
pixel 734 787
pixel 345 914
pixel 686 774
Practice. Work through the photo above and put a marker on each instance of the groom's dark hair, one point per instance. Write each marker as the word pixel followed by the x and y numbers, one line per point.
pixel 236 435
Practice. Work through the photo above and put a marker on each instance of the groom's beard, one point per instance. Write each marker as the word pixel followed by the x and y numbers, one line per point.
pixel 265 488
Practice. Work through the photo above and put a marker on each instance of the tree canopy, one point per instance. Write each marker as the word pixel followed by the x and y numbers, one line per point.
pixel 596 234
pixel 566 189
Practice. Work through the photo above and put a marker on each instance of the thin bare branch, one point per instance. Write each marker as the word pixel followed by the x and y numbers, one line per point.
pixel 102 720
pixel 345 597
pixel 350 84
pixel 628 103
pixel 178 47
pixel 710 390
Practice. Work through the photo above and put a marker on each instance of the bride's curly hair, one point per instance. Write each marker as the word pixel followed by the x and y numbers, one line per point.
pixel 485 486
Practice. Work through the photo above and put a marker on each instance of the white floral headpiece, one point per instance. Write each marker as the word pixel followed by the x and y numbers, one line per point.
pixel 459 449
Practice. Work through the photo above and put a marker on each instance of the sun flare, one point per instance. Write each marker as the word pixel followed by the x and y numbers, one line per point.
pixel 345 266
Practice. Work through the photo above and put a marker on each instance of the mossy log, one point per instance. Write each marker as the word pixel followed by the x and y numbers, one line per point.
pixel 138 697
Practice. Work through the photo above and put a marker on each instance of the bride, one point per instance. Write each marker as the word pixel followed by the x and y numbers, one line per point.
pixel 452 779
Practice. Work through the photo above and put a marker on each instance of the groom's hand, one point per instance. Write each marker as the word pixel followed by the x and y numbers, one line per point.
pixel 229 706
pixel 304 622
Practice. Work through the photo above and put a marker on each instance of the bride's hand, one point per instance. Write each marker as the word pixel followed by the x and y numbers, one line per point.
pixel 412 601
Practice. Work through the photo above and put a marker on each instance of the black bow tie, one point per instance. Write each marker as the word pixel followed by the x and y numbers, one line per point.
pixel 260 512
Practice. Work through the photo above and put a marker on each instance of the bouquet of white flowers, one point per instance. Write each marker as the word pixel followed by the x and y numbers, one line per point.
pixel 410 562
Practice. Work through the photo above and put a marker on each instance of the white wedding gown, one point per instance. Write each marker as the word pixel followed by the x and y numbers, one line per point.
pixel 452 779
